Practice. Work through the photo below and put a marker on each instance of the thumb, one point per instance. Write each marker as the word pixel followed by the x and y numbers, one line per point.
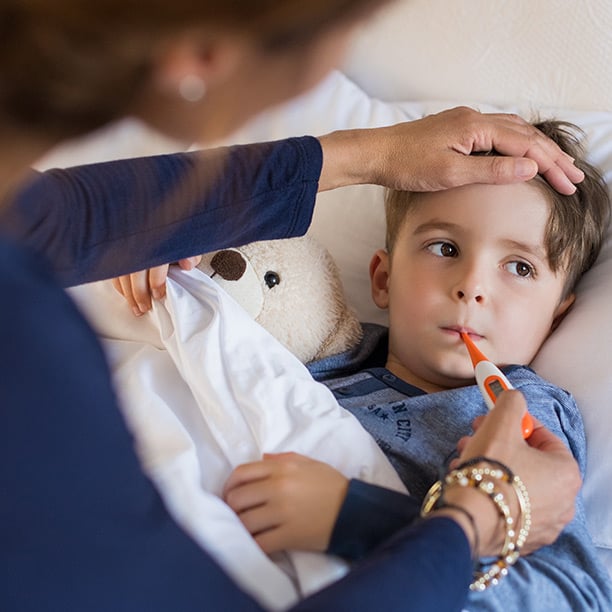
pixel 505 419
pixel 278 456
pixel 500 430
pixel 189 263
pixel 497 169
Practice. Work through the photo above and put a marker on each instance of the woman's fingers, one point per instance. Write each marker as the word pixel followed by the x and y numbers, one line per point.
pixel 436 153
pixel 157 283
pixel 125 286
pixel 525 151
pixel 139 288
pixel 190 262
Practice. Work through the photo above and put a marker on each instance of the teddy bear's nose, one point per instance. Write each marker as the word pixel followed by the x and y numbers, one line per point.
pixel 230 265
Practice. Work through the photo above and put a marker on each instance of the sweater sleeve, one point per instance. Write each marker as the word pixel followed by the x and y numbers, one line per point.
pixel 426 566
pixel 103 220
pixel 370 515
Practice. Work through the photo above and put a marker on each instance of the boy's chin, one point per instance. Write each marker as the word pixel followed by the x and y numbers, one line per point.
pixel 452 379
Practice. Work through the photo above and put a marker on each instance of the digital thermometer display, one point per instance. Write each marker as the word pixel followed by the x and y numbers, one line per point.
pixel 495 386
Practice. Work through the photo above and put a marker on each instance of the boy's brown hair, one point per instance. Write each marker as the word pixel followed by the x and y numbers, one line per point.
pixel 577 223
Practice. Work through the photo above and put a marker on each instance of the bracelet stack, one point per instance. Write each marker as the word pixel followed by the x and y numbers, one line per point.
pixel 484 475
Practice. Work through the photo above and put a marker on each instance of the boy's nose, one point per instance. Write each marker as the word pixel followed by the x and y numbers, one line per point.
pixel 469 285
pixel 468 295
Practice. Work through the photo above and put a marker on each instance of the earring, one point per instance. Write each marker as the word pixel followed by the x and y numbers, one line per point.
pixel 192 88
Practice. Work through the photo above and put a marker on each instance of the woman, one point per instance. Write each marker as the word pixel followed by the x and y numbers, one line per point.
pixel 82 528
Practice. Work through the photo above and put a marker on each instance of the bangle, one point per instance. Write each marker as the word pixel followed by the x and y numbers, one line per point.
pixel 484 479
pixel 509 555
pixel 475 460
pixel 522 495
pixel 435 499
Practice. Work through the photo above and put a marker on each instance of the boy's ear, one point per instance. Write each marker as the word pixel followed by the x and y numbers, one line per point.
pixel 562 310
pixel 379 278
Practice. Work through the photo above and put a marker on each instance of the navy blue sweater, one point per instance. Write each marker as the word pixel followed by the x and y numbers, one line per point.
pixel 81 527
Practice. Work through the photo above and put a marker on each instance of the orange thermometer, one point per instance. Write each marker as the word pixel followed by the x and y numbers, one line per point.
pixel 491 381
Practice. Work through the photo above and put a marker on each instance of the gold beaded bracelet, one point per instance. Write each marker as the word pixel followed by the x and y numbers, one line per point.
pixel 483 479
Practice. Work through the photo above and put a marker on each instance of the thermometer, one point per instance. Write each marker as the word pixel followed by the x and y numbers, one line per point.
pixel 491 381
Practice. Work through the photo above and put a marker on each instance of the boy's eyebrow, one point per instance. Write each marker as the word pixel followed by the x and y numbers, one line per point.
pixel 435 225
pixel 533 249
pixel 537 250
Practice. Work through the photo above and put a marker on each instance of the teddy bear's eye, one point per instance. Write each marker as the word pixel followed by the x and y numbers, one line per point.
pixel 272 279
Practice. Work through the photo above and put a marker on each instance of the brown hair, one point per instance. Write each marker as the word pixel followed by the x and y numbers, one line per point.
pixel 577 223
pixel 68 66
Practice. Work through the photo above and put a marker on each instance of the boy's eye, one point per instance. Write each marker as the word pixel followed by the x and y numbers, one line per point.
pixel 443 249
pixel 520 268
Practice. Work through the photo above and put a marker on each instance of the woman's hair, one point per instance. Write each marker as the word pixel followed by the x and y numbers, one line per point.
pixel 68 66
pixel 577 223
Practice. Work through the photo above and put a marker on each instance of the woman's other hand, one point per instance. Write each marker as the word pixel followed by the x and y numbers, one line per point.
pixel 543 462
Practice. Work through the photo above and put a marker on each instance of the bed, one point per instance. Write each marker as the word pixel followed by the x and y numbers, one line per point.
pixel 418 57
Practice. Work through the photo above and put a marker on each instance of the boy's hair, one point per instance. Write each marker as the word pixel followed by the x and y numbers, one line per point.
pixel 576 225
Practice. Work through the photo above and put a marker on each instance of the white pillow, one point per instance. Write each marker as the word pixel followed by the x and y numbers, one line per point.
pixel 350 223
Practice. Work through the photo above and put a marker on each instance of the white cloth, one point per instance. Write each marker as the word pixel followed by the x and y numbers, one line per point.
pixel 215 390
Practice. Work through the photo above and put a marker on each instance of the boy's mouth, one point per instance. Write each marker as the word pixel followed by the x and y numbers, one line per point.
pixel 461 329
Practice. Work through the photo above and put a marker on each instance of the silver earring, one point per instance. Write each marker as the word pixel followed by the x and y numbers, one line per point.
pixel 192 88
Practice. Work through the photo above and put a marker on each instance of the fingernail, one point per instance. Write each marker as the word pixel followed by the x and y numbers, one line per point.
pixel 157 294
pixel 137 312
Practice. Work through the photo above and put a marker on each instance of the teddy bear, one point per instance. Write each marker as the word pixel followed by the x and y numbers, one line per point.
pixel 291 287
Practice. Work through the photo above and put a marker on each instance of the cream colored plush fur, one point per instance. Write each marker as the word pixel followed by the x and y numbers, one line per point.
pixel 293 289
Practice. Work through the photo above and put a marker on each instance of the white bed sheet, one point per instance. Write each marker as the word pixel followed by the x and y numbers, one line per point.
pixel 204 388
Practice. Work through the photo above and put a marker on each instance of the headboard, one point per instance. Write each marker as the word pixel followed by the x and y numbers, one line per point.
pixel 549 53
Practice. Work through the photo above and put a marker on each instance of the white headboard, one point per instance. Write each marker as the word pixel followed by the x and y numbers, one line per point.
pixel 530 53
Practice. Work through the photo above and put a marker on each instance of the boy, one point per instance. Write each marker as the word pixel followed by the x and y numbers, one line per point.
pixel 500 263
